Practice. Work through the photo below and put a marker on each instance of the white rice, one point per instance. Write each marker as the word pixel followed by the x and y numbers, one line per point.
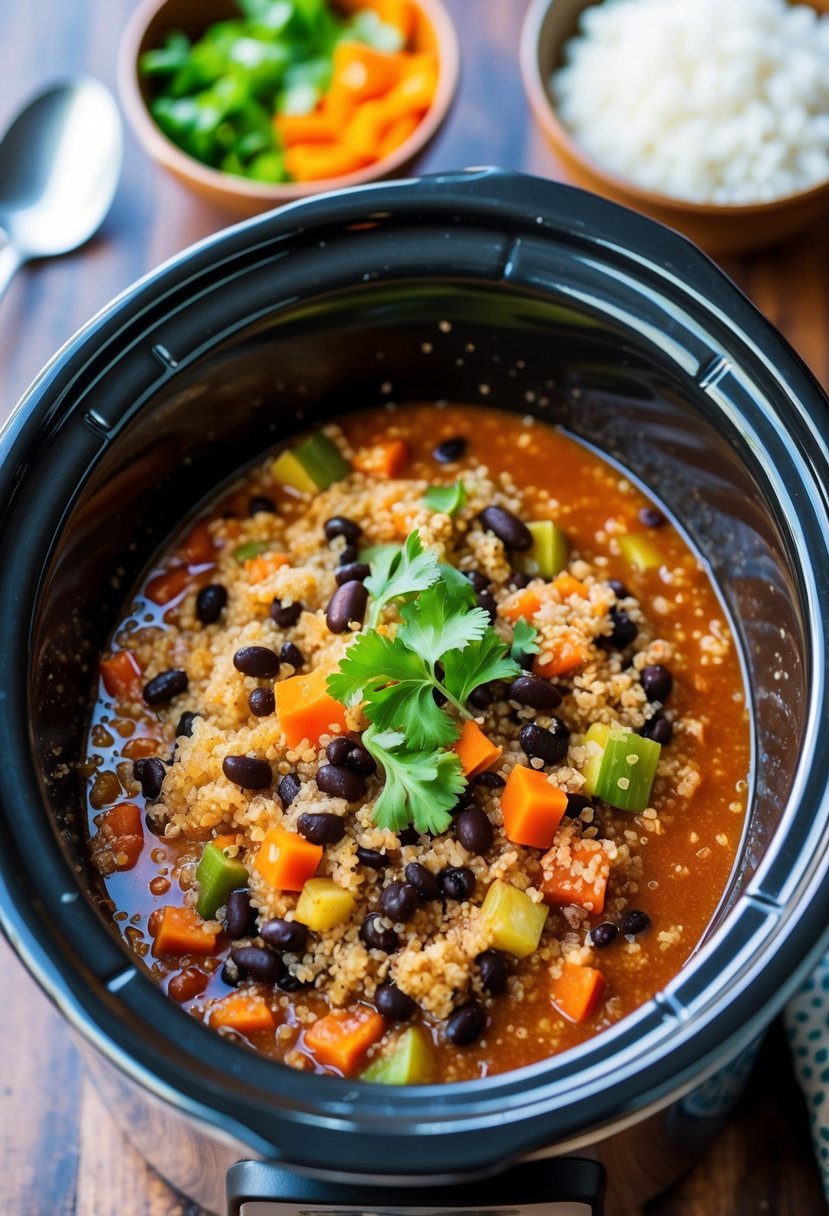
pixel 719 101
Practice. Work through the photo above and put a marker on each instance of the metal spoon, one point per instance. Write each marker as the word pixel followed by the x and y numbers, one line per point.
pixel 59 166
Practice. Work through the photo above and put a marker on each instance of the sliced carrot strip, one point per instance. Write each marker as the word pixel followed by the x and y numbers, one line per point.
pixel 316 162
pixel 399 13
pixel 122 676
pixel 181 931
pixel 414 94
pixel 364 72
pixel 397 134
pixel 532 808
pixel 244 1012
pixel 475 750
pixel 169 585
pixel 342 1037
pixel 576 991
pixel 122 820
pixel 566 655
pixel 286 861
pixel 387 459
pixel 566 884
pixel 318 127
pixel 525 603
pixel 306 710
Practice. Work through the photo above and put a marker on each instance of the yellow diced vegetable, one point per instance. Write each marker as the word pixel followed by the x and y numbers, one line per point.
pixel 549 551
pixel 515 923
pixel 288 471
pixel 323 904
pixel 640 551
pixel 595 741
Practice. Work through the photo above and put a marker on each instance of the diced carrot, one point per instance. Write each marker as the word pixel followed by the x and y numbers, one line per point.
pixel 532 808
pixel 566 586
pixel 168 585
pixel 316 162
pixel 386 459
pixel 397 134
pixel 305 709
pixel 127 850
pixel 225 841
pixel 122 676
pixel 524 603
pixel 568 884
pixel 364 72
pixel 182 931
pixel 475 750
pixel 286 860
pixel 244 1012
pixel 261 567
pixel 122 820
pixel 576 991
pixel 318 127
pixel 140 747
pixel 556 660
pixel 198 547
pixel 342 1037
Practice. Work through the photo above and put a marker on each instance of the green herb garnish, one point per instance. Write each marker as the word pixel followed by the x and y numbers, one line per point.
pixel 420 787
pixel 396 573
pixel 446 499
pixel 524 640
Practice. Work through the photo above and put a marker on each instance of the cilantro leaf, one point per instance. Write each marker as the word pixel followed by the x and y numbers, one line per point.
pixel 459 583
pixel 446 499
pixel 440 620
pixel 420 787
pixel 478 663
pixel 524 640
pixel 395 574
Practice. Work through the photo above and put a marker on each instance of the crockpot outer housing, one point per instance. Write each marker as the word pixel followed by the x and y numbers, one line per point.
pixel 479 286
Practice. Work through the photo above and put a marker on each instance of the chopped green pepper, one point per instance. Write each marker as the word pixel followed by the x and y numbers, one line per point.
pixel 251 548
pixel 410 1061
pixel 313 465
pixel 620 767
pixel 217 875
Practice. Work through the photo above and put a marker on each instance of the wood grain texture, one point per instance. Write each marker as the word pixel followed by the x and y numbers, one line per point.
pixel 60 1153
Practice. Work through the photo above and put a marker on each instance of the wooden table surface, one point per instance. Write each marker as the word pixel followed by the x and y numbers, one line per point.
pixel 60 1154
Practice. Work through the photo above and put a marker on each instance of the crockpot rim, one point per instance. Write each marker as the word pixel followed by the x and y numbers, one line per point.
pixel 496 196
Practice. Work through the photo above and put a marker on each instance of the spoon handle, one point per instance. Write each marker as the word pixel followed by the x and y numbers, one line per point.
pixel 10 261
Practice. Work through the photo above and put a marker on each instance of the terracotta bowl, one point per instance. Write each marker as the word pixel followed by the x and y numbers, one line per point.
pixel 718 228
pixel 239 196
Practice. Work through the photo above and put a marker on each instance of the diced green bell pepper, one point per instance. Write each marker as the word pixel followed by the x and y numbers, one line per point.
pixel 410 1061
pixel 217 875
pixel 549 552
pixel 251 548
pixel 313 465
pixel 620 767
pixel 640 551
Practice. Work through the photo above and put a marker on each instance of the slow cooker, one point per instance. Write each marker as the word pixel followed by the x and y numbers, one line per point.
pixel 478 286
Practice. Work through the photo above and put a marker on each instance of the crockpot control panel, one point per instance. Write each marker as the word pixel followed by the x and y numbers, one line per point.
pixel 555 1187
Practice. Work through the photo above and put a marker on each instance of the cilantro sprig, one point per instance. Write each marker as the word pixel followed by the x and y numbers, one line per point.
pixel 396 573
pixel 420 787
pixel 524 640
pixel 446 499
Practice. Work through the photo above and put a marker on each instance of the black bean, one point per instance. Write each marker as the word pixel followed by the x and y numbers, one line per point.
pixel 347 604
pixel 490 781
pixel 393 1004
pixel 508 528
pixel 576 804
pixel 341 525
pixel 262 702
pixel 209 603
pixel 466 1024
pixel 623 633
pixel 604 934
pixel 149 772
pixel 240 918
pixel 163 687
pixel 518 580
pixel 408 836
pixel 185 724
pixel 338 749
pixel 230 975
pixel 480 698
pixel 398 901
pixel 373 858
pixel 479 581
pixel 535 692
pixel 354 572
pixel 376 937
pixel 347 556
pixel 473 830
pixel 635 922
pixel 258 661
pixel 289 983
pixel 341 782
pixel 486 600
pixel 494 970
pixel 450 450
pixel 247 772
pixel 287 935
pixel 260 503
pixel 457 882
pixel 651 517
pixel 659 729
pixel 361 761
pixel 525 660
pixel 257 962
pixel 288 789
pixel 291 654
pixel 542 744
pixel 657 682
pixel 423 881
pixel 321 827
pixel 285 615
pixel 618 588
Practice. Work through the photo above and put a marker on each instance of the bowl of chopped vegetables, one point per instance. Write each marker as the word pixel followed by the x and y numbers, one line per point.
pixel 254 103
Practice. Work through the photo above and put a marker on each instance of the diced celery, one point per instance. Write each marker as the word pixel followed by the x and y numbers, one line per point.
pixel 549 552
pixel 217 875
pixel 288 471
pixel 313 465
pixel 513 920
pixel 323 904
pixel 252 548
pixel 640 551
pixel 409 1062
pixel 621 766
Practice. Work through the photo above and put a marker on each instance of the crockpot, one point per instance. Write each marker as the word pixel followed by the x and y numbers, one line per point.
pixel 482 287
